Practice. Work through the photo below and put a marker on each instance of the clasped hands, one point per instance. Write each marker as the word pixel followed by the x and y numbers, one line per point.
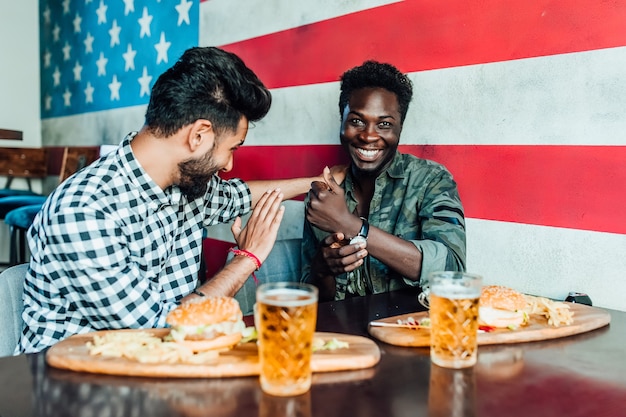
pixel 327 210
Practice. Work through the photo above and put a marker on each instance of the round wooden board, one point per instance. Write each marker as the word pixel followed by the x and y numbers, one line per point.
pixel 586 318
pixel 242 360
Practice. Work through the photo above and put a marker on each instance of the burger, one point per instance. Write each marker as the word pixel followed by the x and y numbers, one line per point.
pixel 501 307
pixel 207 323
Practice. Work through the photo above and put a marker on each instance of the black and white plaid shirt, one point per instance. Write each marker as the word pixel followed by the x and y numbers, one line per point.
pixel 111 250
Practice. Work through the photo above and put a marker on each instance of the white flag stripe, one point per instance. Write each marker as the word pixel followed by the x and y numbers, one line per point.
pixel 107 127
pixel 499 103
pixel 549 261
pixel 221 23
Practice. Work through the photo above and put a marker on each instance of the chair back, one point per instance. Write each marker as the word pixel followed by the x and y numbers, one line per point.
pixel 23 163
pixel 76 158
pixel 11 306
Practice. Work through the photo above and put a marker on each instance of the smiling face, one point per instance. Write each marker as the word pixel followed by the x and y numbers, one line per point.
pixel 370 129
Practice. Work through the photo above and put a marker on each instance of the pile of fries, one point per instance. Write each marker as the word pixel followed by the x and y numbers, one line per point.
pixel 146 348
pixel 558 313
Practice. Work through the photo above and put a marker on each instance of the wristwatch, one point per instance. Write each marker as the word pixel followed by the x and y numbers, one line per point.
pixel 362 236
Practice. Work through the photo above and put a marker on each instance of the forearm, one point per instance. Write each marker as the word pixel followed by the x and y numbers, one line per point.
pixel 398 254
pixel 229 279
pixel 290 187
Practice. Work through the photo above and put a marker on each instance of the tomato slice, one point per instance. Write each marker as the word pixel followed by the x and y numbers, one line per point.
pixel 487 328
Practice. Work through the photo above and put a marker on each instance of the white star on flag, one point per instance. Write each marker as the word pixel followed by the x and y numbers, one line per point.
pixel 90 47
pixel 183 11
pixel 67 97
pixel 102 13
pixel 78 69
pixel 89 43
pixel 57 76
pixel 67 50
pixel 89 93
pixel 115 88
pixel 114 32
pixel 102 64
pixel 77 22
pixel 56 33
pixel 162 48
pixel 144 82
pixel 144 22
pixel 47 56
pixel 129 58
pixel 129 6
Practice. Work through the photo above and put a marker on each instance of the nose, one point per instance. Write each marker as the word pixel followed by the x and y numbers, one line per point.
pixel 229 165
pixel 368 133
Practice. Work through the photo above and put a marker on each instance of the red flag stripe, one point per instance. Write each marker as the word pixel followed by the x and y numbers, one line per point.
pixel 418 35
pixel 578 187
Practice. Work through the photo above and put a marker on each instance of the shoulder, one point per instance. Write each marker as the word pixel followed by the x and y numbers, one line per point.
pixel 418 169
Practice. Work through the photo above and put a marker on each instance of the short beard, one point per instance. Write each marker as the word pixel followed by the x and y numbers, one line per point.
pixel 195 175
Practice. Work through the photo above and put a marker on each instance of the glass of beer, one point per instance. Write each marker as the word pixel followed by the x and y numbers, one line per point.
pixel 453 303
pixel 286 314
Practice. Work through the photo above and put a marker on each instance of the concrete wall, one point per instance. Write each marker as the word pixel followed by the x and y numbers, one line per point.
pixel 19 85
pixel 19 71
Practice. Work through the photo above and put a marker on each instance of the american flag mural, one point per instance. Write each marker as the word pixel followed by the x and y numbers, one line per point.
pixel 524 101
pixel 99 60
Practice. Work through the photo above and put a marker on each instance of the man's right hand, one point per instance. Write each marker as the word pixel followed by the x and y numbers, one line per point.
pixel 337 256
pixel 259 234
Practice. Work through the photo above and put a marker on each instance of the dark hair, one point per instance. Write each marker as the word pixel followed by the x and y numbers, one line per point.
pixel 374 74
pixel 206 83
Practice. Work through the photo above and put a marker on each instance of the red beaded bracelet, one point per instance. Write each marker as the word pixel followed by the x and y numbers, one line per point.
pixel 250 255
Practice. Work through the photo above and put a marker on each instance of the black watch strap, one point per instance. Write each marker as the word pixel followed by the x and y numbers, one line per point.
pixel 362 236
pixel 365 228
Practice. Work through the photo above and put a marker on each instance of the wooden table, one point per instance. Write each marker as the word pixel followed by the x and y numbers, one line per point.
pixel 582 375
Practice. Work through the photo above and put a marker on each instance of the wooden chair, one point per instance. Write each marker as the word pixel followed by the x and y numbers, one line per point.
pixel 24 163
pixel 20 218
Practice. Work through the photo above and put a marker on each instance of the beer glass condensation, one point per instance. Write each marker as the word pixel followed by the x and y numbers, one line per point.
pixel 453 300
pixel 286 314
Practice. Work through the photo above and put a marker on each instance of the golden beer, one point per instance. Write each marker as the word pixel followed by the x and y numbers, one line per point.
pixel 454 320
pixel 286 318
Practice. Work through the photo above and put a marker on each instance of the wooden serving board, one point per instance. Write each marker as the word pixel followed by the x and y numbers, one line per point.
pixel 586 318
pixel 242 360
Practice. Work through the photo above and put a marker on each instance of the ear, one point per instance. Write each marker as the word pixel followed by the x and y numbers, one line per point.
pixel 200 135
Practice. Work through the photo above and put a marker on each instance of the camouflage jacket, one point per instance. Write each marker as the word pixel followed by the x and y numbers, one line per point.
pixel 416 200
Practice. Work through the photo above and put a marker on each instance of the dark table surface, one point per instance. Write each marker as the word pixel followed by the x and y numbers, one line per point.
pixel 582 375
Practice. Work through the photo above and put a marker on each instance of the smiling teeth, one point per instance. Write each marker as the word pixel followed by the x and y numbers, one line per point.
pixel 367 153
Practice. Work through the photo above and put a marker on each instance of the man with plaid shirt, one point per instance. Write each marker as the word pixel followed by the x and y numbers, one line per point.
pixel 118 245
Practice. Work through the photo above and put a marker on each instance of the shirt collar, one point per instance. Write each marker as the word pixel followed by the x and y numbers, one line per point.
pixel 395 170
pixel 150 192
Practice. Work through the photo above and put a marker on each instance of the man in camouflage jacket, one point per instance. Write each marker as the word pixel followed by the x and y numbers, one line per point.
pixel 396 218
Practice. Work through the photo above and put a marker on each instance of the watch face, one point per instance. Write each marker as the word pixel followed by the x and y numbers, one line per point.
pixel 358 239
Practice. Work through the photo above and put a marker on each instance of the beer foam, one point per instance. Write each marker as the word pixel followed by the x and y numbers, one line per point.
pixel 286 297
pixel 454 291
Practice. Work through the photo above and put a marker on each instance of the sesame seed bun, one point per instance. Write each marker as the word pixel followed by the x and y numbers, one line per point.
pixel 205 310
pixel 501 307
pixel 207 323
pixel 503 298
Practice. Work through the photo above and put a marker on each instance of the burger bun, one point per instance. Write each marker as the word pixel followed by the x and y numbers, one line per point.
pixel 207 323
pixel 223 342
pixel 502 307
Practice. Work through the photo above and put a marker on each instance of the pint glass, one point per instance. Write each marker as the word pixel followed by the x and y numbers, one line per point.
pixel 453 302
pixel 286 314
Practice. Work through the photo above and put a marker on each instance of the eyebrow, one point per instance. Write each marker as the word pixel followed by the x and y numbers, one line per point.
pixel 386 116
